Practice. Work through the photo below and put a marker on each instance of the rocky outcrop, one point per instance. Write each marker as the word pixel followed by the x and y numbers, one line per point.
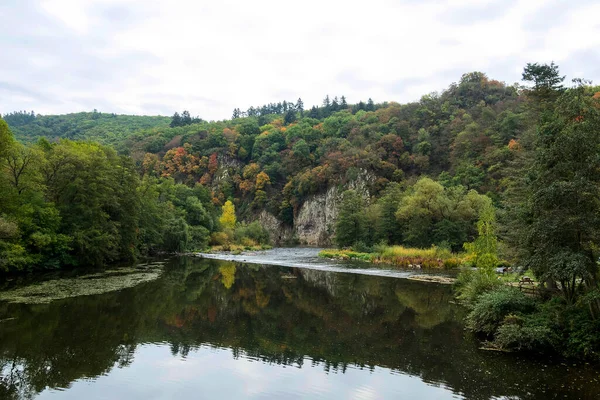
pixel 278 232
pixel 315 223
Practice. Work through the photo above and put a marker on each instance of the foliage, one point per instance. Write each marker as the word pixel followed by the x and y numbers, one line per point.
pixel 350 225
pixel 483 252
pixel 471 284
pixel 492 307
pixel 227 218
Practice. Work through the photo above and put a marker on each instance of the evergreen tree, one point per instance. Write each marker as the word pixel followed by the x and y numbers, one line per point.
pixel 335 104
pixel 186 118
pixel 343 103
pixel 175 120
pixel 370 105
pixel 300 107
pixel 290 117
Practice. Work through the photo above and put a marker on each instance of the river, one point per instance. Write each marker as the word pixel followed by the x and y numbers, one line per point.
pixel 276 325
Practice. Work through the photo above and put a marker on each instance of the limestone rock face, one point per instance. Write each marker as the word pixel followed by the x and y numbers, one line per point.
pixel 315 223
pixel 278 232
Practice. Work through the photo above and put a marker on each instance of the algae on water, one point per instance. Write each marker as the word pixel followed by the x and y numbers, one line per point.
pixel 84 285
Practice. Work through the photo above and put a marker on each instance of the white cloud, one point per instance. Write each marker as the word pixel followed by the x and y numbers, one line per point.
pixel 149 56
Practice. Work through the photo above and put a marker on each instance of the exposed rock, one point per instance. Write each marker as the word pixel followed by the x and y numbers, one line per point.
pixel 278 232
pixel 315 223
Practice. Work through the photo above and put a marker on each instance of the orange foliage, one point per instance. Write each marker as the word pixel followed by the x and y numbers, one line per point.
pixel 246 186
pixel 179 161
pixel 213 164
pixel 262 180
pixel 205 180
pixel 514 145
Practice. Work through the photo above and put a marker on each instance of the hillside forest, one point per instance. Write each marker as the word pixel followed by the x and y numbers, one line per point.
pixel 510 170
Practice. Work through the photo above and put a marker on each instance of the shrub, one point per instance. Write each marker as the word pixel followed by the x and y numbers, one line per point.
pixel 219 239
pixel 493 307
pixel 253 231
pixel 199 237
pixel 452 262
pixel 538 331
pixel 526 334
pixel 582 334
pixel 473 283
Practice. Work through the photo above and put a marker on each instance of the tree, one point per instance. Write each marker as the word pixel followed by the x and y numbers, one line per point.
pixel 300 107
pixel 370 105
pixel 186 118
pixel 547 82
pixel 562 230
pixel 349 226
pixel 262 180
pixel 343 103
pixel 175 120
pixel 6 138
pixel 228 219
pixel 290 117
pixel 484 250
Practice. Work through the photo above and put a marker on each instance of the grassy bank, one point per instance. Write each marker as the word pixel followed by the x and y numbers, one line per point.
pixel 433 257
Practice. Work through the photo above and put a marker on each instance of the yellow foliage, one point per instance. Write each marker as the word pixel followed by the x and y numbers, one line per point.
pixel 228 219
pixel 227 275
pixel 262 180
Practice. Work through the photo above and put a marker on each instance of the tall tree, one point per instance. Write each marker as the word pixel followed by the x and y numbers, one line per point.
pixel 546 79
pixel 349 227
pixel 228 219
pixel 175 120
pixel 300 107
pixel 343 103
pixel 563 229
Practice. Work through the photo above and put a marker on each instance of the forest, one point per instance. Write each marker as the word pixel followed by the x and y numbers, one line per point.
pixel 508 174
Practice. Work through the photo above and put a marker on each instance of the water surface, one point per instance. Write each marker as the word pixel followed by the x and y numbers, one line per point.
pixel 206 328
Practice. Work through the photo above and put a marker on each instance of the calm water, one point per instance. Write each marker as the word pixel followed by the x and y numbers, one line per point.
pixel 220 329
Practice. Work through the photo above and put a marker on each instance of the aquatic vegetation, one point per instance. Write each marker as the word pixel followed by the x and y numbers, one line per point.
pixel 84 285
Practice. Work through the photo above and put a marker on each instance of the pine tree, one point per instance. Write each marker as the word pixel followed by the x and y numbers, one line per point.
pixel 343 103
pixel 300 106
pixel 175 120
pixel 370 105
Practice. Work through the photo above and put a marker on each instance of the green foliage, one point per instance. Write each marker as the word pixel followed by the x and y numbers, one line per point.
pixel 471 284
pixel 484 250
pixel 562 231
pixel 350 225
pixel 253 231
pixel 106 128
pixel 492 307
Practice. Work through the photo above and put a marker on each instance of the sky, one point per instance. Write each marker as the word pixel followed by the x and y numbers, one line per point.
pixel 153 57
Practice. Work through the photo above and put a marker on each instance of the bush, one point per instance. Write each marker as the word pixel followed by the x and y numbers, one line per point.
pixel 534 332
pixel 219 239
pixel 452 262
pixel 473 283
pixel 493 307
pixel 199 237
pixel 582 334
pixel 253 231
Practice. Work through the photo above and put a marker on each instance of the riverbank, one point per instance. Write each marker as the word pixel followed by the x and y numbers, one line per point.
pixel 432 258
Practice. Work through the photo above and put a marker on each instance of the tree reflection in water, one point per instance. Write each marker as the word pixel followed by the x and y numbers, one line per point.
pixel 275 315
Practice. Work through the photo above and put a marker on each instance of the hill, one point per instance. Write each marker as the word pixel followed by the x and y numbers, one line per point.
pixel 105 128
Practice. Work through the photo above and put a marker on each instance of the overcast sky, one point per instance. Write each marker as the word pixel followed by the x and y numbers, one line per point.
pixel 158 56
